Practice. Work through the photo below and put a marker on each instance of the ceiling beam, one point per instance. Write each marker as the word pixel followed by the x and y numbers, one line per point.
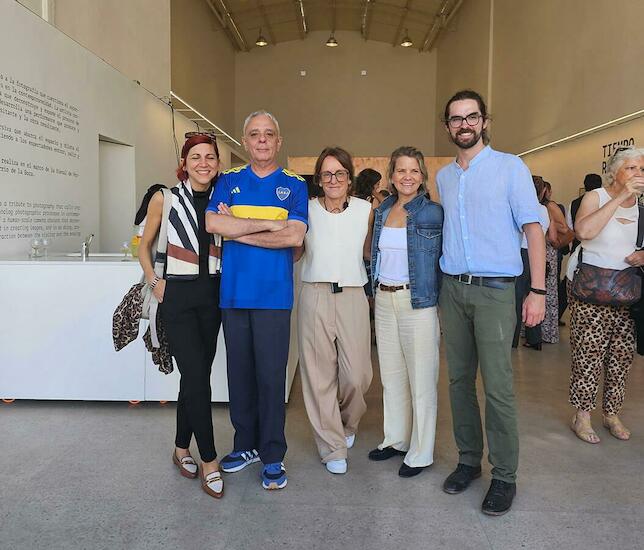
pixel 439 22
pixel 401 23
pixel 233 27
pixel 300 16
pixel 267 25
pixel 366 19
pixel 223 24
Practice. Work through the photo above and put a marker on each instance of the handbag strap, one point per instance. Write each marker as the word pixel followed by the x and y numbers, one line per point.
pixel 162 240
pixel 640 226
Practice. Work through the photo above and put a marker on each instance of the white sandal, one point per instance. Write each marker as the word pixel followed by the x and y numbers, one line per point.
pixel 213 484
pixel 186 464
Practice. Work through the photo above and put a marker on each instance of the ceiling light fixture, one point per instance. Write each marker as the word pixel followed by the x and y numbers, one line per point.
pixel 406 42
pixel 332 42
pixel 261 41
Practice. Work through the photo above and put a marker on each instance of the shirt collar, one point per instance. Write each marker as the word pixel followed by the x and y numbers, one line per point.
pixel 481 155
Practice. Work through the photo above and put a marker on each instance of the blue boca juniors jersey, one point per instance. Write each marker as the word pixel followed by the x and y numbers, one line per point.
pixel 254 277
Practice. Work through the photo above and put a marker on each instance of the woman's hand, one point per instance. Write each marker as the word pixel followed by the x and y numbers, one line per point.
pixel 634 186
pixel 636 259
pixel 159 290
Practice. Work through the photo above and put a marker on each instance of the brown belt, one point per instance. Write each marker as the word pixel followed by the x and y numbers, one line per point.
pixel 388 288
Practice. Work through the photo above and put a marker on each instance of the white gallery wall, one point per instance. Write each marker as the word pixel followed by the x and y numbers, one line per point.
pixel 565 165
pixel 57 100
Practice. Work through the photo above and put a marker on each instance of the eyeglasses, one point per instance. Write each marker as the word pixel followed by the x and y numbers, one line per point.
pixel 340 176
pixel 457 121
pixel 188 135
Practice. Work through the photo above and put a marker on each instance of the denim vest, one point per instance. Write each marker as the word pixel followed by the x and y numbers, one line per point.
pixel 424 245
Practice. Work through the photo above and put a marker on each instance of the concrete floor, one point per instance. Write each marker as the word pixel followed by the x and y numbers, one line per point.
pixel 99 475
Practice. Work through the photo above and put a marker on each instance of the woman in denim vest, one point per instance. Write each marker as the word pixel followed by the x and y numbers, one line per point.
pixel 406 245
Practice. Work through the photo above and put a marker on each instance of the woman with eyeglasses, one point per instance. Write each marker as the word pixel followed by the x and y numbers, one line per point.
pixel 334 334
pixel 602 337
pixel 406 245
pixel 189 301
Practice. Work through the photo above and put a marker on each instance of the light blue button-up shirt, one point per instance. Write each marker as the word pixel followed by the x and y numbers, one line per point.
pixel 486 207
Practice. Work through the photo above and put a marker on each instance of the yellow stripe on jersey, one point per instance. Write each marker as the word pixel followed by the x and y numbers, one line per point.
pixel 235 170
pixel 259 212
pixel 292 174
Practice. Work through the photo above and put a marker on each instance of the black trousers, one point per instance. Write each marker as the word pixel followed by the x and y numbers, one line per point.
pixel 191 318
pixel 257 342
pixel 522 289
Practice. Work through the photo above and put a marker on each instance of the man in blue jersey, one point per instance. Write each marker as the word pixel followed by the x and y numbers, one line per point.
pixel 261 210
pixel 489 199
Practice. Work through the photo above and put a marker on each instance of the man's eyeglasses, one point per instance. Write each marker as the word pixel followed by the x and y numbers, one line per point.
pixel 457 121
pixel 340 176
pixel 188 135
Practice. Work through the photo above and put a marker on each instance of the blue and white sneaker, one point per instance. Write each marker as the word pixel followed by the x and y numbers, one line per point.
pixel 238 460
pixel 274 476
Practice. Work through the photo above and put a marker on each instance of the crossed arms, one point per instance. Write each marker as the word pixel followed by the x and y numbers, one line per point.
pixel 262 233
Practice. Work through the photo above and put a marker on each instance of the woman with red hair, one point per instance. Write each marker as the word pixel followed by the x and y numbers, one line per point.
pixel 188 295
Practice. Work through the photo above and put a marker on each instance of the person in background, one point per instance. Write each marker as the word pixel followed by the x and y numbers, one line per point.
pixel 522 287
pixel 334 332
pixel 188 298
pixel 591 181
pixel 140 217
pixel 366 186
pixel 557 237
pixel 602 337
pixel 262 211
pixel 405 249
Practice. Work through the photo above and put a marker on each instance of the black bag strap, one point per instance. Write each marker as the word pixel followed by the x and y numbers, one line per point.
pixel 640 226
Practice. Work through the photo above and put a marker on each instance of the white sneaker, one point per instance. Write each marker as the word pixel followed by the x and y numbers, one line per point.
pixel 351 439
pixel 337 466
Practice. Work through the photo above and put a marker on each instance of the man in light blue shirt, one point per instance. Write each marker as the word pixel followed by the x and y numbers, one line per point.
pixel 489 201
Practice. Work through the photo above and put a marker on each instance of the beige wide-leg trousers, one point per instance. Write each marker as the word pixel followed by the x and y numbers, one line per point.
pixel 408 347
pixel 334 339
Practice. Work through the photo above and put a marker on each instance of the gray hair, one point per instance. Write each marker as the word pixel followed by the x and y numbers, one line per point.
pixel 260 113
pixel 618 158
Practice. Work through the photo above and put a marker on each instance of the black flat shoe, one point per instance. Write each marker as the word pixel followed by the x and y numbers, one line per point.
pixel 384 454
pixel 460 479
pixel 535 347
pixel 499 498
pixel 410 471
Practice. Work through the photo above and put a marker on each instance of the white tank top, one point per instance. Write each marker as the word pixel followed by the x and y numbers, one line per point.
pixel 333 245
pixel 613 243
pixel 394 263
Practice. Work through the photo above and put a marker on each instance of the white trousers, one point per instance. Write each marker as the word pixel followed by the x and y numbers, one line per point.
pixel 408 352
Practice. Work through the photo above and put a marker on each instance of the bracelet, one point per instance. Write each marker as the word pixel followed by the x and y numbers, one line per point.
pixel 154 282
pixel 538 291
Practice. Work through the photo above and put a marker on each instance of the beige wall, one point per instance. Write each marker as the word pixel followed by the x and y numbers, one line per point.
pixel 203 63
pixel 333 105
pixel 560 67
pixel 462 61
pixel 133 36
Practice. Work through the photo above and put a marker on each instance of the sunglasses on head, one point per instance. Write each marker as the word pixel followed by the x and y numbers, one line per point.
pixel 188 135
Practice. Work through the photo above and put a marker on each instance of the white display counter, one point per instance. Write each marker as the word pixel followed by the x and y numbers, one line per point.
pixel 56 335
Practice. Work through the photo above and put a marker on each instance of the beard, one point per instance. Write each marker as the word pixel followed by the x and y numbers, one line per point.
pixel 466 139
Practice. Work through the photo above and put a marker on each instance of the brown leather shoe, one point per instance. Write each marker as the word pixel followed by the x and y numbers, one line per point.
pixel 187 466
pixel 212 484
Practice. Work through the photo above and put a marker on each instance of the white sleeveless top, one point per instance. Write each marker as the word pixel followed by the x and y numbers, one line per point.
pixel 333 245
pixel 613 243
pixel 394 262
